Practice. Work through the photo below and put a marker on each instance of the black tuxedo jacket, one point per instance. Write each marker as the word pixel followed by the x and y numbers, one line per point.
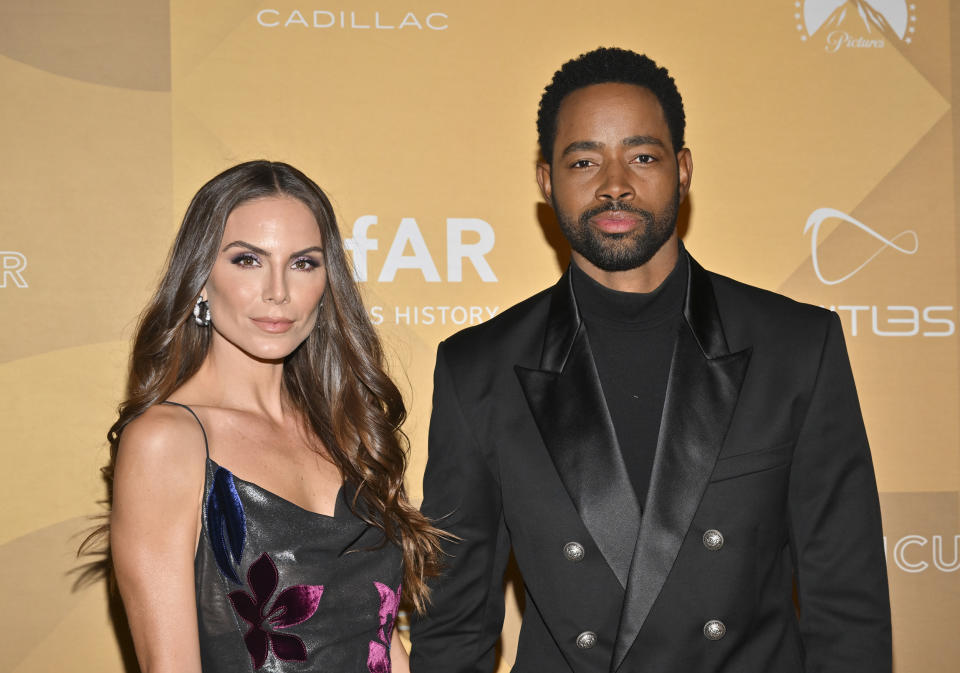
pixel 761 442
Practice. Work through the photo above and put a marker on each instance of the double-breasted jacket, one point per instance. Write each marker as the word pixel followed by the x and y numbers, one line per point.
pixel 758 548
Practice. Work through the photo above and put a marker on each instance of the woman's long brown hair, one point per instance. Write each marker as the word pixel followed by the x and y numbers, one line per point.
pixel 336 379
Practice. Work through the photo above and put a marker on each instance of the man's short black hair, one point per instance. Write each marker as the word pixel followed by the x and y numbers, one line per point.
pixel 609 65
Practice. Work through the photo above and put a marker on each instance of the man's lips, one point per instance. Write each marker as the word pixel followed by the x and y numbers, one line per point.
pixel 615 221
pixel 273 325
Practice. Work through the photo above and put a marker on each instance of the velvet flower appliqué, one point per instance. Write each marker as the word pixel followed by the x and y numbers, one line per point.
pixel 294 605
pixel 378 657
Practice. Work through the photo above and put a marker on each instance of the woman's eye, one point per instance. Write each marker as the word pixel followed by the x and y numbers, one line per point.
pixel 246 259
pixel 305 264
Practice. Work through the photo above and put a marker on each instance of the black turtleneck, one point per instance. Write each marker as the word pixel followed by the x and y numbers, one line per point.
pixel 632 336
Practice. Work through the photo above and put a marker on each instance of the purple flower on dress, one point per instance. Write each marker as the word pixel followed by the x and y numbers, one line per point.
pixel 294 605
pixel 378 657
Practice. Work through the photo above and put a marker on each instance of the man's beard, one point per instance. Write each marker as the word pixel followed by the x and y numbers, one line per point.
pixel 619 252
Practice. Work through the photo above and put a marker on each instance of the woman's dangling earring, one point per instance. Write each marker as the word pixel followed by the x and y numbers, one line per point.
pixel 201 312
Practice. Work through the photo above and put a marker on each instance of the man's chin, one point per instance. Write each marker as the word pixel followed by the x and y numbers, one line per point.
pixel 612 263
pixel 622 257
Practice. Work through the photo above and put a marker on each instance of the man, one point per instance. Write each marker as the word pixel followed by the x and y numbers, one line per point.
pixel 665 450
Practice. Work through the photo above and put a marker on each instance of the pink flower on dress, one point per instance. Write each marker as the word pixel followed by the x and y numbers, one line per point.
pixel 378 657
pixel 294 605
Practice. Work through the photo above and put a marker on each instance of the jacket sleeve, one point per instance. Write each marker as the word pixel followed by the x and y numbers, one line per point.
pixel 835 528
pixel 462 496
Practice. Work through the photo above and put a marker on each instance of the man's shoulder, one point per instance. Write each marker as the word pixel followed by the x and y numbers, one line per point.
pixel 748 308
pixel 508 331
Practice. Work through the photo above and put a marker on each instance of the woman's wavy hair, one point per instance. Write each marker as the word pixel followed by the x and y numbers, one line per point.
pixel 336 378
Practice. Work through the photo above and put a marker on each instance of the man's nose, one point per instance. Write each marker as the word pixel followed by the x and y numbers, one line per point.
pixel 615 183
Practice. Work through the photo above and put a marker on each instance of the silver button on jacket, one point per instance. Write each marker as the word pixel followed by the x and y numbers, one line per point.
pixel 573 551
pixel 713 540
pixel 586 640
pixel 714 629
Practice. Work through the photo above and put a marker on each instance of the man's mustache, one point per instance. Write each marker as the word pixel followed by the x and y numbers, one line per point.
pixel 615 207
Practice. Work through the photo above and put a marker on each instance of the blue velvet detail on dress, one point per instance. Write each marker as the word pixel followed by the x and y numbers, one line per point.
pixel 227 522
pixel 290 558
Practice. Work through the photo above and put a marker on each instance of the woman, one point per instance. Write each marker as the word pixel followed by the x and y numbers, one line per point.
pixel 259 519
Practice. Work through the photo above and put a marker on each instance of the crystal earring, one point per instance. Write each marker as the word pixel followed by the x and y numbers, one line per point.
pixel 201 312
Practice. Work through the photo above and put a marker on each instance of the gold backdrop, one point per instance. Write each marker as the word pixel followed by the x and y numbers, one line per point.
pixel 825 147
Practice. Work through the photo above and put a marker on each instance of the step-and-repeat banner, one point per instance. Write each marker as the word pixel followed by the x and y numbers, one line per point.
pixel 825 146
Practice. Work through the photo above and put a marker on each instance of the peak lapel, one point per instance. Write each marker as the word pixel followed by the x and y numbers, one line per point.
pixel 702 393
pixel 567 403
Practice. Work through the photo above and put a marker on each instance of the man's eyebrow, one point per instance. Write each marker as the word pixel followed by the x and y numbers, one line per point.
pixel 593 145
pixel 581 146
pixel 636 141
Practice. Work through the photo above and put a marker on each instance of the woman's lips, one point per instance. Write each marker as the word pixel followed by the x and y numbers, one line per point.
pixel 273 325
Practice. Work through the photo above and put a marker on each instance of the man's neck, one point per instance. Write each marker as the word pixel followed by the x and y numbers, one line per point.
pixel 644 278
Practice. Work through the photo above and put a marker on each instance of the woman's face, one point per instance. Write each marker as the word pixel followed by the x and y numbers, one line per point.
pixel 268 279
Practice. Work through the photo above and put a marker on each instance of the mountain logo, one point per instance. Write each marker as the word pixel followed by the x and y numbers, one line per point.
pixel 858 24
pixel 820 215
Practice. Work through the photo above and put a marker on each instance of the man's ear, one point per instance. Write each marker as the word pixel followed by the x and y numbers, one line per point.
pixel 685 172
pixel 543 179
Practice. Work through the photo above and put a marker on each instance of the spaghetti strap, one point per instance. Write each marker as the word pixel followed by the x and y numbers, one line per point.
pixel 206 445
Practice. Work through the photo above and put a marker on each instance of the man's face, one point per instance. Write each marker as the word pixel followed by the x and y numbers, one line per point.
pixel 615 181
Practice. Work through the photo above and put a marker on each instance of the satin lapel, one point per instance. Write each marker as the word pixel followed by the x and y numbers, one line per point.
pixel 567 403
pixel 702 392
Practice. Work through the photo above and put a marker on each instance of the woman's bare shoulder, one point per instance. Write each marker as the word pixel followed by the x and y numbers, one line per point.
pixel 165 439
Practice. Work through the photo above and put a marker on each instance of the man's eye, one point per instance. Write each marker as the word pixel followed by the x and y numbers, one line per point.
pixel 581 163
pixel 644 159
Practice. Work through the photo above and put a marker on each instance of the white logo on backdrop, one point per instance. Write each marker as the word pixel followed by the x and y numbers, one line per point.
pixel 820 215
pixel 408 235
pixel 469 239
pixel 353 20
pixel 12 265
pixel 917 553
pixel 862 24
